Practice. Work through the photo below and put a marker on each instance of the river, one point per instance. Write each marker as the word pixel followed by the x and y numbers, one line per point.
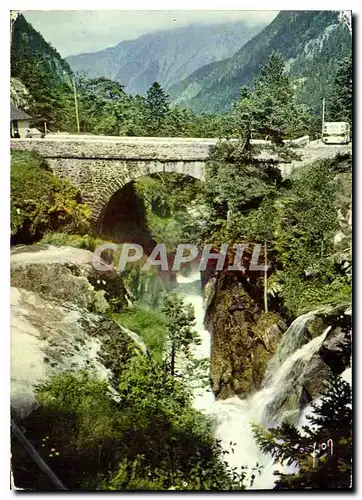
pixel 233 416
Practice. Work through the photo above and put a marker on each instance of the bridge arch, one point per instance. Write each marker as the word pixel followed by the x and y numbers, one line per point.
pixel 99 179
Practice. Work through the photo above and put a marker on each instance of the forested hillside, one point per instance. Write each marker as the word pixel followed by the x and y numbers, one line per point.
pixel 46 92
pixel 312 42
pixel 46 76
pixel 165 56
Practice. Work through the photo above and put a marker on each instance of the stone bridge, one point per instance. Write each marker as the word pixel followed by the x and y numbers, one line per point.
pixel 100 166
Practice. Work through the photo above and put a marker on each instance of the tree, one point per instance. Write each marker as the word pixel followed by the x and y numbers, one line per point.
pixel 340 101
pixel 45 74
pixel 306 224
pixel 104 106
pixel 236 180
pixel 331 419
pixel 157 103
pixel 270 110
pixel 145 436
pixel 262 228
pixel 180 320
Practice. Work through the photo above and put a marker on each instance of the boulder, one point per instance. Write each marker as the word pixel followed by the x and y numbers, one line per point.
pixel 56 325
pixel 67 274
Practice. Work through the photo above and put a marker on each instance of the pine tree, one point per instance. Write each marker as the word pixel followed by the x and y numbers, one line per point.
pixel 340 101
pixel 330 426
pixel 157 102
pixel 180 320
pixel 270 110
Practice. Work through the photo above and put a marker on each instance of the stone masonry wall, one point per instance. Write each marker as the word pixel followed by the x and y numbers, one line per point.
pixel 99 179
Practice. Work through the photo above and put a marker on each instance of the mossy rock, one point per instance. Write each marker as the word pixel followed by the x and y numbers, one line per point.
pixel 117 348
pixel 243 339
pixel 80 285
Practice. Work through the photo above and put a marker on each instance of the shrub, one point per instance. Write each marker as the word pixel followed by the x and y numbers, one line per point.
pixel 40 202
pixel 87 242
pixel 149 325
pixel 149 437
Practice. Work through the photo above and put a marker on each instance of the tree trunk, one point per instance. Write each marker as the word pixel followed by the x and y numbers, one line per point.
pixel 265 279
pixel 173 355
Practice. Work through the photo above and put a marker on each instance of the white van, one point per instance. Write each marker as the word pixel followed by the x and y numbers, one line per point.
pixel 336 133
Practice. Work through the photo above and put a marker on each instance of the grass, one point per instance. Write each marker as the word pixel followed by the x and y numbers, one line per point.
pixel 86 242
pixel 148 324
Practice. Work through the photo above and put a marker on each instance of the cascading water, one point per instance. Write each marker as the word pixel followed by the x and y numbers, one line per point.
pixel 233 416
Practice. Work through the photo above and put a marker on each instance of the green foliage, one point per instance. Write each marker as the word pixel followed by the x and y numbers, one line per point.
pixel 45 74
pixel 145 287
pixel 314 76
pixel 299 219
pixel 236 181
pixel 340 101
pixel 87 242
pixel 312 43
pixel 331 419
pixel 179 321
pixel 306 226
pixel 149 325
pixel 170 201
pixel 105 108
pixel 270 109
pixel 157 106
pixel 147 437
pixel 40 202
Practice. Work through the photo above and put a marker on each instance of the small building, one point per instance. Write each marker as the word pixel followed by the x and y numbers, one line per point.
pixel 19 122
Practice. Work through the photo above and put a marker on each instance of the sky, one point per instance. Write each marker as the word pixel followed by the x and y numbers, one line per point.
pixel 74 32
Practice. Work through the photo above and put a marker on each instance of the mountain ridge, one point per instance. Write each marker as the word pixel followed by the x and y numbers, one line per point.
pixel 166 56
pixel 300 36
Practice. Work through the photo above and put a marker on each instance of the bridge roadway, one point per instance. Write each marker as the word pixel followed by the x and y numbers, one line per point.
pixel 162 148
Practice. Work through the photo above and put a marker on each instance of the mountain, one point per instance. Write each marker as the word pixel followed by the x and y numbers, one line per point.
pixel 40 78
pixel 312 42
pixel 28 47
pixel 165 56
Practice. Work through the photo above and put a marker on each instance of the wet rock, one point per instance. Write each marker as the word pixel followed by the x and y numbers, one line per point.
pixel 314 377
pixel 243 338
pixel 336 350
pixel 334 354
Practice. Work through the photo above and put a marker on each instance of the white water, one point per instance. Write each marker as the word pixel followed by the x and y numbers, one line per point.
pixel 233 416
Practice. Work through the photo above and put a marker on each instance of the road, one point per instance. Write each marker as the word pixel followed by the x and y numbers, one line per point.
pixel 315 150
pixel 309 151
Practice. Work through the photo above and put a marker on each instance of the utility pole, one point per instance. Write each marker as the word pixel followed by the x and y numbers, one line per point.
pixel 265 278
pixel 323 114
pixel 76 104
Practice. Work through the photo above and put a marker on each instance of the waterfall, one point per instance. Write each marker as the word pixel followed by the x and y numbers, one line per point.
pixel 233 416
pixel 189 288
pixel 294 338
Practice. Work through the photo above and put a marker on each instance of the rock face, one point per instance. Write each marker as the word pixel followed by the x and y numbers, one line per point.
pixel 54 326
pixel 66 274
pixel 334 355
pixel 243 338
